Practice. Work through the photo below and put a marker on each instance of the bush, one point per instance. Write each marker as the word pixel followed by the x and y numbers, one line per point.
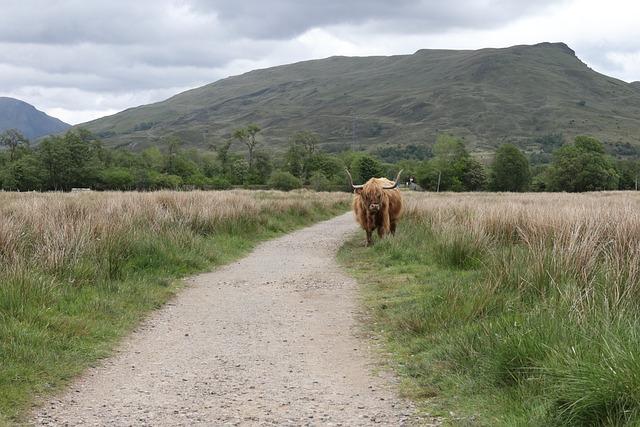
pixel 281 180
pixel 319 182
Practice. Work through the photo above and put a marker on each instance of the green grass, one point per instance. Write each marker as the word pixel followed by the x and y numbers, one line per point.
pixel 478 330
pixel 56 323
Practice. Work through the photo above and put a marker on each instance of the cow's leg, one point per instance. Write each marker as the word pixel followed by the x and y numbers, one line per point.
pixel 381 231
pixel 369 242
pixel 393 228
pixel 386 222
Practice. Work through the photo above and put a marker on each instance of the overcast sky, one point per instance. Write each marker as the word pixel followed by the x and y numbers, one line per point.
pixel 82 59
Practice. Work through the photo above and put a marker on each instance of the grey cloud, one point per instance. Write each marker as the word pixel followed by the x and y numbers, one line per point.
pixel 282 19
pixel 149 21
pixel 113 49
pixel 110 22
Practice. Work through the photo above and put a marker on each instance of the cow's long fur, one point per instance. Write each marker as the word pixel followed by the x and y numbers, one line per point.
pixel 389 207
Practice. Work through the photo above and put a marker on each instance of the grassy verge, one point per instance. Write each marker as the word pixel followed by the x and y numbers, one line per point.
pixel 512 310
pixel 77 272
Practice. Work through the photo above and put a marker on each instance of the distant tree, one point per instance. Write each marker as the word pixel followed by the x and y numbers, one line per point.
pixel 319 182
pixel 239 172
pixel 474 175
pixel 223 156
pixel 117 178
pixel 262 168
pixel 284 181
pixel 582 166
pixel 308 140
pixel 629 172
pixel 173 149
pixel 248 137
pixel 366 167
pixel 328 165
pixel 539 178
pixel 301 153
pixel 510 170
pixel 12 139
pixel 72 160
pixel 23 174
pixel 294 160
pixel 152 158
pixel 452 168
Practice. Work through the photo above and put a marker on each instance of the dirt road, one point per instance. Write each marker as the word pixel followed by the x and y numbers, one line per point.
pixel 272 339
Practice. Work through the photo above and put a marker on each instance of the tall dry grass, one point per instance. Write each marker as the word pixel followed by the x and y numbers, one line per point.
pixel 587 238
pixel 54 231
pixel 531 301
pixel 79 270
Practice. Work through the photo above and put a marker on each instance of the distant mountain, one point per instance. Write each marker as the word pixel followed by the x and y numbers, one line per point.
pixel 32 123
pixel 487 96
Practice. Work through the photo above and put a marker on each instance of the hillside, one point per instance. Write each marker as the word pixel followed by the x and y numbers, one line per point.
pixel 486 96
pixel 32 123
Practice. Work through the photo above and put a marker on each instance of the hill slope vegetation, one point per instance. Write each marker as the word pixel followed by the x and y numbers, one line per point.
pixel 484 96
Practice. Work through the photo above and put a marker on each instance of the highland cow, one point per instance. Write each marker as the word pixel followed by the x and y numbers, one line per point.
pixel 377 204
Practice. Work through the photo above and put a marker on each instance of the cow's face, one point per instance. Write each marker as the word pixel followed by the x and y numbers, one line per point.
pixel 372 198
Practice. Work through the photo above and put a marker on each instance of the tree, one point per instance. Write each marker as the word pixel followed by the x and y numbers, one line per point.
pixel 224 158
pixel 366 167
pixel 319 182
pixel 12 139
pixel 294 160
pixel 239 171
pixel 452 168
pixel 582 166
pixel 510 170
pixel 173 148
pixel 474 175
pixel 117 178
pixel 300 155
pixel 308 140
pixel 261 169
pixel 629 172
pixel 248 137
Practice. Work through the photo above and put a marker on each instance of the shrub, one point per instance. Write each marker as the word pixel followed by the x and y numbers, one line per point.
pixel 284 181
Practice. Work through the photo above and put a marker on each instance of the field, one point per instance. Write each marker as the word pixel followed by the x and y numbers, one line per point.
pixel 79 270
pixel 506 309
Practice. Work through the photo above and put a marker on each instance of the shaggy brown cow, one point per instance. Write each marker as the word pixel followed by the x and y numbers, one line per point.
pixel 377 204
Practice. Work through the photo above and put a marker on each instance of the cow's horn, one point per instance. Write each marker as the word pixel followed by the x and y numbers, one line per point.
pixel 395 183
pixel 351 180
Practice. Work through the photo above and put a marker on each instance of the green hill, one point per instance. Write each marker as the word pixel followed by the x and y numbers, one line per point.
pixel 487 96
pixel 32 123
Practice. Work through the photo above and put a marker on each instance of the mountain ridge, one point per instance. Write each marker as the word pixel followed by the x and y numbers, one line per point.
pixel 31 122
pixel 485 96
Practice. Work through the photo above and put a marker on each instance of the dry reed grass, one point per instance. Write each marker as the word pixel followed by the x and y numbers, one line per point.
pixel 523 309
pixel 587 238
pixel 78 270
pixel 55 230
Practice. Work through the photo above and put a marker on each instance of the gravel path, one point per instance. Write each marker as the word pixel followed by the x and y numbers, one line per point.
pixel 272 339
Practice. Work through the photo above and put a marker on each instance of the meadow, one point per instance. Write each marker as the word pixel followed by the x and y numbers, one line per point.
pixel 79 270
pixel 512 309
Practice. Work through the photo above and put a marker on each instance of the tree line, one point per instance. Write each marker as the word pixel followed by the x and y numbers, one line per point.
pixel 582 165
pixel 79 159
